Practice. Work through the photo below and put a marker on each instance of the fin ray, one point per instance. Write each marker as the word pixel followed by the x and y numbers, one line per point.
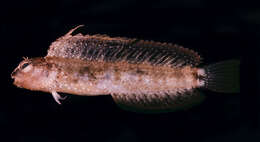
pixel 222 77
pixel 103 47
pixel 157 103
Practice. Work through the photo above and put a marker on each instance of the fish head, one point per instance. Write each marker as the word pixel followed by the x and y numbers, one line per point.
pixel 33 74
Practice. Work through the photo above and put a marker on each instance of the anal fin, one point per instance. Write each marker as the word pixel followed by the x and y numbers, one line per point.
pixel 158 103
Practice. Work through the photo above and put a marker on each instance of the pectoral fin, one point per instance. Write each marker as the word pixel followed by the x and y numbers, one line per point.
pixel 158 103
pixel 57 97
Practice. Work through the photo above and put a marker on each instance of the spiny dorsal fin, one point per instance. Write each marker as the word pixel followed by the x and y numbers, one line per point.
pixel 103 47
pixel 158 103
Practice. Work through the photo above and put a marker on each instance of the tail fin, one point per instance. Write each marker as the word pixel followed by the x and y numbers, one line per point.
pixel 223 77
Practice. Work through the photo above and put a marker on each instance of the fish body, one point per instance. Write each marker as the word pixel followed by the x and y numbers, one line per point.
pixel 97 77
pixel 140 75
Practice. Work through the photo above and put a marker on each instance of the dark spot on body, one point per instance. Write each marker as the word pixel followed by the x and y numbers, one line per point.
pixel 49 66
pixel 141 72
pixel 92 76
pixel 75 80
pixel 86 70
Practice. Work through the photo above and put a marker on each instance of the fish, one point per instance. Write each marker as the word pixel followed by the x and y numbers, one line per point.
pixel 140 75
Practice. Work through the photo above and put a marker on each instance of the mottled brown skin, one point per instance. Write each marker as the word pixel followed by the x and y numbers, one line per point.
pixel 79 77
pixel 140 75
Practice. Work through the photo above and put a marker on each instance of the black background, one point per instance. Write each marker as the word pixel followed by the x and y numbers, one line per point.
pixel 217 30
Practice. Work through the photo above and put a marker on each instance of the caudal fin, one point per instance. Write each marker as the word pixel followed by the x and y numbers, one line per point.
pixel 223 77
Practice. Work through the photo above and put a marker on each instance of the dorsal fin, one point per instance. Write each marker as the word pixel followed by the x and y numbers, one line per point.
pixel 103 47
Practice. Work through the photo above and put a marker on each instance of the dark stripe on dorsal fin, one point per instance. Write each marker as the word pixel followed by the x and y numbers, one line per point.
pixel 103 47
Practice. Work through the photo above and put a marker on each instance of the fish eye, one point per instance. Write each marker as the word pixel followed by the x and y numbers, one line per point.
pixel 24 65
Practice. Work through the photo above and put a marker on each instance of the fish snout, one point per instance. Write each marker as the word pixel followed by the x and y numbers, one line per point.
pixel 14 73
